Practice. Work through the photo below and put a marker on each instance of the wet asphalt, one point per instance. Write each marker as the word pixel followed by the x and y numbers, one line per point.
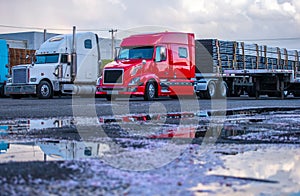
pixel 180 177
pixel 77 106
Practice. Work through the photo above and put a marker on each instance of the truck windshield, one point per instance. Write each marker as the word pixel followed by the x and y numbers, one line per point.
pixel 47 58
pixel 136 53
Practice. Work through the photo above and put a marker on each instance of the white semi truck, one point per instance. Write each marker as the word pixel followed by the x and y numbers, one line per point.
pixel 64 64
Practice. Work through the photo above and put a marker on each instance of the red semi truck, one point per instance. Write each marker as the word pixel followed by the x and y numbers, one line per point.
pixel 175 64
pixel 151 65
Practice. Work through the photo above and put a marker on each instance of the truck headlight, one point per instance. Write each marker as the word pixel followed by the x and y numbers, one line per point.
pixel 9 81
pixel 98 81
pixel 135 82
pixel 32 79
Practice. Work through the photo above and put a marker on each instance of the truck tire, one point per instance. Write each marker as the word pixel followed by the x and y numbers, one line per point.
pixel 278 94
pixel 15 96
pixel 223 90
pixel 2 91
pixel 110 97
pixel 44 90
pixel 211 91
pixel 251 91
pixel 236 92
pixel 150 91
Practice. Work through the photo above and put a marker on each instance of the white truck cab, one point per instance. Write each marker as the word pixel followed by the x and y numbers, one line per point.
pixel 64 64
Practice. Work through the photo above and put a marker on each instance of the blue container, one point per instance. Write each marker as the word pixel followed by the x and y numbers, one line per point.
pixel 3 65
pixel 3 61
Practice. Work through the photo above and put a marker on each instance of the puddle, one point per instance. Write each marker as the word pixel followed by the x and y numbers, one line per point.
pixel 257 150
pixel 254 125
pixel 265 170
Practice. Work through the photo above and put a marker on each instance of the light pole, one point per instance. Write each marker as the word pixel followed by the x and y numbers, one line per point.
pixel 112 31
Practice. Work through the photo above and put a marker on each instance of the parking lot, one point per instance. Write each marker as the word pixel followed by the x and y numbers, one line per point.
pixel 180 147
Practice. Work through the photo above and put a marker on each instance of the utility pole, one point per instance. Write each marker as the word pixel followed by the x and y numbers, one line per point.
pixel 112 31
pixel 45 34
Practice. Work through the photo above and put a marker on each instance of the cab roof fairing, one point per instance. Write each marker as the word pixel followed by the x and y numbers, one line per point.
pixel 62 43
pixel 158 38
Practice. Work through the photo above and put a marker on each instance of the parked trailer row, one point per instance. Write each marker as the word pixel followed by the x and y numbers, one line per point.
pixel 175 64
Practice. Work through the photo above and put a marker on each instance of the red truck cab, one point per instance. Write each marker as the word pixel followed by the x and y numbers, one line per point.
pixel 151 65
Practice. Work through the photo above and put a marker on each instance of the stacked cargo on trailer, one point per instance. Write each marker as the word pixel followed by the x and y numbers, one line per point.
pixel 64 64
pixel 236 68
pixel 10 57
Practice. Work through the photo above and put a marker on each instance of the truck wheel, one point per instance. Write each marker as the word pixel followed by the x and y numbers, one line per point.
pixel 237 92
pixel 110 97
pixel 15 96
pixel 202 95
pixel 211 90
pixel 223 90
pixel 150 91
pixel 251 91
pixel 278 94
pixel 1 91
pixel 296 94
pixel 44 90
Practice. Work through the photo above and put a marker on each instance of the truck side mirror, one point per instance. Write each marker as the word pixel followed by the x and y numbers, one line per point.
pixel 117 50
pixel 69 60
pixel 31 57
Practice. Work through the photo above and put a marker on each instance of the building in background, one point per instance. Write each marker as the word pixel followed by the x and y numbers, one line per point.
pixel 33 40
pixel 26 40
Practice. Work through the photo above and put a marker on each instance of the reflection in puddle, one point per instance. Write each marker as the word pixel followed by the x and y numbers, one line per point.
pixel 26 125
pixel 258 171
pixel 50 151
pixel 240 125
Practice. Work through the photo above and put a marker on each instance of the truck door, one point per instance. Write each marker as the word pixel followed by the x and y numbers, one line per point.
pixel 66 67
pixel 161 62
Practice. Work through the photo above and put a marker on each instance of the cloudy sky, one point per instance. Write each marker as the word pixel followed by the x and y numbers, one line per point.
pixel 272 22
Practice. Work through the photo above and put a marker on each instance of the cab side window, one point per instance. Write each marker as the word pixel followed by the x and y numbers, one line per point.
pixel 64 58
pixel 161 54
pixel 182 52
pixel 88 44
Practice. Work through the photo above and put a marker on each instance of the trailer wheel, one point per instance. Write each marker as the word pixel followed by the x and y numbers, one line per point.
pixel 251 91
pixel 296 94
pixel 223 89
pixel 237 92
pixel 44 90
pixel 211 91
pixel 150 91
pixel 278 94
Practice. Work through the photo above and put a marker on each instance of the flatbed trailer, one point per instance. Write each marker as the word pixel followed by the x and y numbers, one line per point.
pixel 230 68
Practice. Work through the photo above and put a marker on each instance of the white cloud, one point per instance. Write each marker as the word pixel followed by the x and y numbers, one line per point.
pixel 118 2
pixel 227 19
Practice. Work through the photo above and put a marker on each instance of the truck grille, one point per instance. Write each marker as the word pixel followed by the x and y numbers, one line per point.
pixel 113 76
pixel 19 76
